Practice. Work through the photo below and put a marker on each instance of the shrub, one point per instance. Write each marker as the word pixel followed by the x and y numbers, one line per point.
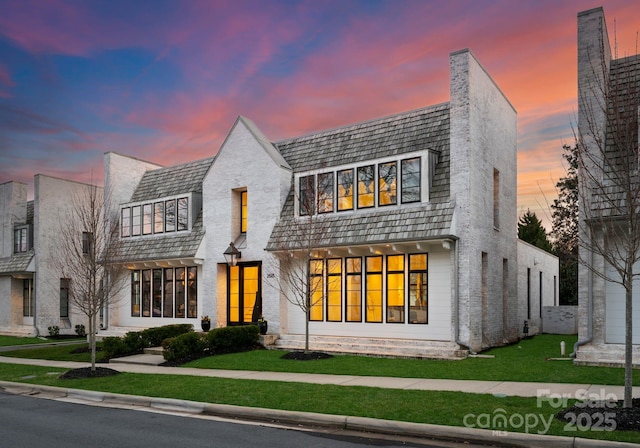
pixel 153 337
pixel 232 339
pixel 80 331
pixel 113 347
pixel 183 348
pixel 54 330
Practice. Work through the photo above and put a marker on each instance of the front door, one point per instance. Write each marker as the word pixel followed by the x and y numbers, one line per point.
pixel 244 300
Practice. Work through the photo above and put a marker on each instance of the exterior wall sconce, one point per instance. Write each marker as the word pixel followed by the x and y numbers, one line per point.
pixel 525 329
pixel 232 255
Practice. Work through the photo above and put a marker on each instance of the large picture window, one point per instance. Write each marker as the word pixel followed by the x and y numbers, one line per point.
pixel 165 293
pixel 394 288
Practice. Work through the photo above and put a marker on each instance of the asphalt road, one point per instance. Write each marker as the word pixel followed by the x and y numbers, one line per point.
pixel 32 422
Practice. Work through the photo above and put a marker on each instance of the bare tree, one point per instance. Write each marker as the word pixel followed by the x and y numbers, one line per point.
pixel 609 182
pixel 302 262
pixel 85 257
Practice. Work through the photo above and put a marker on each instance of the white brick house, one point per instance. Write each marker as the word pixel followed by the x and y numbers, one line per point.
pixel 419 256
pixel 601 314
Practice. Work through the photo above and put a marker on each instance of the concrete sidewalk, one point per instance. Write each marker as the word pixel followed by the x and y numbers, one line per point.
pixel 499 388
pixel 474 435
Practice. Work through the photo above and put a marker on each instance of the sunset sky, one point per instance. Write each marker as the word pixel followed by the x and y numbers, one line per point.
pixel 165 80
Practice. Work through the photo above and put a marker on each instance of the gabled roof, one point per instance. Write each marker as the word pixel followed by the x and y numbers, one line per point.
pixel 264 142
pixel 177 179
pixel 16 263
pixel 421 129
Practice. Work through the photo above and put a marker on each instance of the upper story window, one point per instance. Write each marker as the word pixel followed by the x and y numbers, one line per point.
pixel 243 212
pixel 87 242
pixel 155 217
pixel 388 183
pixel 21 240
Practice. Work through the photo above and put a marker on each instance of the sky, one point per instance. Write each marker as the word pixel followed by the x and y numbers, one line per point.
pixel 164 80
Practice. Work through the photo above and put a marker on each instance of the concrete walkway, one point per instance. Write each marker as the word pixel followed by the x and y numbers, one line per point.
pixel 497 388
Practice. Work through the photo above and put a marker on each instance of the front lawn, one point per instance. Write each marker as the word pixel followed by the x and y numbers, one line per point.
pixel 73 352
pixel 526 361
pixel 440 408
pixel 15 340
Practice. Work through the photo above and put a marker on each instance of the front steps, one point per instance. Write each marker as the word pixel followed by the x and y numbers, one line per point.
pixel 382 347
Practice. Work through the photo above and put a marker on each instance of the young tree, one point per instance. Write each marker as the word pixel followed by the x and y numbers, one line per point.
pixel 565 228
pixel 531 230
pixel 302 263
pixel 608 182
pixel 85 257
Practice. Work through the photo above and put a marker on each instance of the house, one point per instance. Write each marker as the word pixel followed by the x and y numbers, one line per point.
pixel 33 294
pixel 601 326
pixel 414 249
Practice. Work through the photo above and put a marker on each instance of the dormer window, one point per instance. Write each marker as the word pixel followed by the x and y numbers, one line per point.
pixel 390 182
pixel 21 239
pixel 153 218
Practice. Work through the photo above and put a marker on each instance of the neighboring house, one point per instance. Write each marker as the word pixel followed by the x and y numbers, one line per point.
pixel 601 324
pixel 33 296
pixel 418 256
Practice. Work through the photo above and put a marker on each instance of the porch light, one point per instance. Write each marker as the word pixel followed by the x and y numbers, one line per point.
pixel 232 254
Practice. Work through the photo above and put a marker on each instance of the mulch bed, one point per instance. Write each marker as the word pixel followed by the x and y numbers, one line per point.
pixel 306 356
pixel 601 417
pixel 86 372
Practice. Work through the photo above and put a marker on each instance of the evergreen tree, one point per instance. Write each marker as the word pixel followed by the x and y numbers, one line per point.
pixel 565 228
pixel 530 229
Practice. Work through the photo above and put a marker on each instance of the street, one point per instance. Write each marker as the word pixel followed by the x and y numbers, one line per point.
pixel 43 423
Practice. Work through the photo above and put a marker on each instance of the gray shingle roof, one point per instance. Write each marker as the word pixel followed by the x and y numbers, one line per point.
pixel 408 132
pixel 416 130
pixel 166 246
pixel 16 263
pixel 621 137
pixel 163 182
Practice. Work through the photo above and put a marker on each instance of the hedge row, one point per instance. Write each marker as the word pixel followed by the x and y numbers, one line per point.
pixel 135 342
pixel 190 346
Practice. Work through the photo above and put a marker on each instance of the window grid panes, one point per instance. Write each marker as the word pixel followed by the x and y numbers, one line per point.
pixel 334 290
pixel 27 297
pixel 387 183
pixel 395 288
pixel 125 222
pixel 20 241
pixel 345 190
pixel 165 293
pixel 325 192
pixel 170 215
pixel 135 220
pixel 243 212
pixel 183 214
pixel 353 299
pixel 410 180
pixel 373 287
pixel 366 188
pixel 158 217
pixel 418 291
pixel 316 290
pixel 372 186
pixel 146 218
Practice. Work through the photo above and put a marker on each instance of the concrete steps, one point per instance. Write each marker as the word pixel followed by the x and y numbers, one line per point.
pixel 150 357
pixel 396 348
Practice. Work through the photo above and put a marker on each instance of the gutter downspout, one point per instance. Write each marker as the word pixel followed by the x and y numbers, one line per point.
pixel 589 338
pixel 456 297
pixel 35 306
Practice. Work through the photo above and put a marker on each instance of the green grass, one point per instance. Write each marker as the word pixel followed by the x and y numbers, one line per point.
pixel 525 361
pixel 15 340
pixel 400 405
pixel 55 353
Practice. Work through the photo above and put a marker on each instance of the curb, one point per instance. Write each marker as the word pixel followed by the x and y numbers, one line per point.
pixel 356 424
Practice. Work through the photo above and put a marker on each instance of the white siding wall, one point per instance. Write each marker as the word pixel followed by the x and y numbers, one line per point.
pixel 615 309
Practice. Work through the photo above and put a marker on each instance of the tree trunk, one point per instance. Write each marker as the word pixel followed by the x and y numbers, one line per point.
pixel 628 344
pixel 92 340
pixel 306 333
